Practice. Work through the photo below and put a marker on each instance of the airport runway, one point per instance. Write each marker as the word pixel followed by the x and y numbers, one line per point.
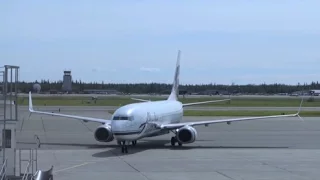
pixel 67 109
pixel 269 149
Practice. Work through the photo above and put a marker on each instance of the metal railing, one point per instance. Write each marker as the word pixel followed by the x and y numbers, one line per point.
pixel 3 170
pixel 25 175
pixel 33 159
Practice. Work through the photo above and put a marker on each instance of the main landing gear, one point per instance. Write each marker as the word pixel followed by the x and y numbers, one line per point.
pixel 174 141
pixel 124 147
pixel 134 143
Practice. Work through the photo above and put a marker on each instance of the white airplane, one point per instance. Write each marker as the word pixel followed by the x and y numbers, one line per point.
pixel 135 121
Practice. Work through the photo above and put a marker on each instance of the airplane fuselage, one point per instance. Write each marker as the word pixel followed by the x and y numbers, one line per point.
pixel 129 122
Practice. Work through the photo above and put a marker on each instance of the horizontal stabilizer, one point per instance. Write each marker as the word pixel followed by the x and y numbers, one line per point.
pixel 142 100
pixel 204 102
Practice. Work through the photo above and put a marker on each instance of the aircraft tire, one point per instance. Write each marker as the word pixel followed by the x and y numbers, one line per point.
pixel 134 143
pixel 173 141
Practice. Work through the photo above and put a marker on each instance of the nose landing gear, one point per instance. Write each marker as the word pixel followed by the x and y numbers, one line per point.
pixel 124 147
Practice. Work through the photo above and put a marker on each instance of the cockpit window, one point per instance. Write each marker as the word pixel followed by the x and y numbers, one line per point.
pixel 116 118
pixel 124 118
pixel 121 118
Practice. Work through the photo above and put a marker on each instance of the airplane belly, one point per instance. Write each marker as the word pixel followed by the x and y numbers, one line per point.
pixel 127 137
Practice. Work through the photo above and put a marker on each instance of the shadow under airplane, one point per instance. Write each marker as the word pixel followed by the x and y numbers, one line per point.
pixel 144 145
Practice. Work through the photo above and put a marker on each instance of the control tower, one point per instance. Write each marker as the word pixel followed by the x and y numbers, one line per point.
pixel 67 82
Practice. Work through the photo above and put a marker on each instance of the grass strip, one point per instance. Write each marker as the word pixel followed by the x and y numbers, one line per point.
pixel 248 113
pixel 245 113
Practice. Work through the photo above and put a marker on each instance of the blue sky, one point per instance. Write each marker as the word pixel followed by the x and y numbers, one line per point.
pixel 137 41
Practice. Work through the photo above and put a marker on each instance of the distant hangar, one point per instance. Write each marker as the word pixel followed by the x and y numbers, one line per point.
pixel 315 92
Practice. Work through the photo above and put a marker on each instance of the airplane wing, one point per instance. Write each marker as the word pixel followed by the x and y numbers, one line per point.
pixel 142 100
pixel 205 102
pixel 179 125
pixel 105 121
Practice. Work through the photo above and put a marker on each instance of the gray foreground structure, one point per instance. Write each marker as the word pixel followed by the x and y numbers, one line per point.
pixel 44 175
pixel 9 116
pixel 8 119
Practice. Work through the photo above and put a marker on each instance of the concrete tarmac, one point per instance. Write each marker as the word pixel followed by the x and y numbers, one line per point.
pixel 268 149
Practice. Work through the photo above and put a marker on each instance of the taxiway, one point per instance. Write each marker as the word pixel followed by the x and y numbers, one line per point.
pixel 72 109
pixel 269 149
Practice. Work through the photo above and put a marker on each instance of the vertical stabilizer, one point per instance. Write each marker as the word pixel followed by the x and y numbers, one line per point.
pixel 175 86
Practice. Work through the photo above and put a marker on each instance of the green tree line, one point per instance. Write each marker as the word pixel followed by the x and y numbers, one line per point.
pixel 78 87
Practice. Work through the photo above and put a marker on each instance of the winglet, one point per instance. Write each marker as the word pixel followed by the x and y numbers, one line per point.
pixel 299 110
pixel 300 105
pixel 30 102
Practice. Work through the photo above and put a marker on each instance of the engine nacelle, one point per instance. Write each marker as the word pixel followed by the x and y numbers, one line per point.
pixel 103 134
pixel 186 134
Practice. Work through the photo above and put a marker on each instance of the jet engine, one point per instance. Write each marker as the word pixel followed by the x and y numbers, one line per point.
pixel 103 134
pixel 186 134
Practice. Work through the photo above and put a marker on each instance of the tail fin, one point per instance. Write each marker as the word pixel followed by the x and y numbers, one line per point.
pixel 175 86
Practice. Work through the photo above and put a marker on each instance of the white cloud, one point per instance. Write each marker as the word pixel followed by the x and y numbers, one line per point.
pixel 148 69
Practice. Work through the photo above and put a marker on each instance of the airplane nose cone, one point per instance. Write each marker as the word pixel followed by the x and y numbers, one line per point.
pixel 120 125
pixel 125 130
